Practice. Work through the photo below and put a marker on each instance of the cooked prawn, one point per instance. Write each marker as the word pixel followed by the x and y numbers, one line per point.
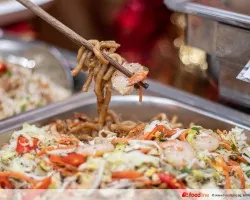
pixel 96 149
pixel 206 140
pixel 178 153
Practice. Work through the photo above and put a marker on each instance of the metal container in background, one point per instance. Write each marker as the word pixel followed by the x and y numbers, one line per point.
pixel 45 59
pixel 222 29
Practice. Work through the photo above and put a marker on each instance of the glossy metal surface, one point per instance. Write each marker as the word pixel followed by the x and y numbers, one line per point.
pixel 47 59
pixel 230 12
pixel 222 29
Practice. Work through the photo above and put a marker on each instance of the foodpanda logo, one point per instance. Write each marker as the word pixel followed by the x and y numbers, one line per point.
pixel 194 194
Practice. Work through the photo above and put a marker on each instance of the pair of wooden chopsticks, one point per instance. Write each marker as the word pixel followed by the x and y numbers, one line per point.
pixel 73 36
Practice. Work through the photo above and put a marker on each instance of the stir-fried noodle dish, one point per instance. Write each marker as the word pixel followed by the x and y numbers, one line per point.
pixel 22 90
pixel 107 152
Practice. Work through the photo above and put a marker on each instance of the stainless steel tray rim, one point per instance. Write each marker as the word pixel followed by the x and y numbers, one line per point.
pixel 161 100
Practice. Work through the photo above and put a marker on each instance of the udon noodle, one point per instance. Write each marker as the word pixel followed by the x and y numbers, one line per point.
pixel 105 75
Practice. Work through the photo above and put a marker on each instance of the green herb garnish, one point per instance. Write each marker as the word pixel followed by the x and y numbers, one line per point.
pixel 8 73
pixel 248 173
pixel 186 170
pixel 220 148
pixel 23 108
pixel 196 128
pixel 233 147
pixel 162 139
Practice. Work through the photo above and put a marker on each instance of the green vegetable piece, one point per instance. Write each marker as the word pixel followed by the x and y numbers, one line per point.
pixel 233 147
pixel 23 108
pixel 8 73
pixel 190 136
pixel 196 128
pixel 186 170
pixel 248 173
pixel 120 147
pixel 52 186
pixel 220 148
pixel 198 174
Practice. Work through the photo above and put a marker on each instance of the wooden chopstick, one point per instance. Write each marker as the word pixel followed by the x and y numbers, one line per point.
pixel 73 36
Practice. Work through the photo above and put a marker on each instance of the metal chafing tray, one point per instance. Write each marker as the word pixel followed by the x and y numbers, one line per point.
pixel 54 62
pixel 189 108
pixel 222 29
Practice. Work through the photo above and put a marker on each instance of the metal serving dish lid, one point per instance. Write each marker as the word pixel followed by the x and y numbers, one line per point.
pixel 234 12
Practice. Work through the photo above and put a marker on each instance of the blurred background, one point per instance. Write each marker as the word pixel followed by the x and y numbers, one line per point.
pixel 148 32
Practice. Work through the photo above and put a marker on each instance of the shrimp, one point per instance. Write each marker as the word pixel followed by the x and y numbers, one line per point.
pixel 137 77
pixel 178 153
pixel 206 140
pixel 96 149
pixel 122 83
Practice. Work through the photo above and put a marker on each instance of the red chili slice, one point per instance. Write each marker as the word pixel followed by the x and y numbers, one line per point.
pixel 74 159
pixel 23 145
pixel 171 181
pixel 3 67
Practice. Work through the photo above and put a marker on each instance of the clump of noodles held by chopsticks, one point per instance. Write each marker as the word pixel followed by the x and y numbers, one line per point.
pixel 105 75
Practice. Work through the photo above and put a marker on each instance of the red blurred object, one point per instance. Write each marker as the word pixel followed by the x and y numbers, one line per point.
pixel 171 181
pixel 23 29
pixel 3 67
pixel 23 145
pixel 139 25
pixel 146 34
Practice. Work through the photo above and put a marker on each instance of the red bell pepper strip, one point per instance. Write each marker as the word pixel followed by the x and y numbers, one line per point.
pixel 44 184
pixel 23 145
pixel 3 67
pixel 5 184
pixel 171 181
pixel 74 159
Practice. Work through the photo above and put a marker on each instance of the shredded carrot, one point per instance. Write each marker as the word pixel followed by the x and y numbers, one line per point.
pixel 64 171
pixel 183 136
pixel 18 176
pixel 228 183
pixel 226 141
pixel 219 132
pixel 145 151
pixel 120 140
pixel 161 128
pixel 66 140
pixel 44 151
pixel 220 162
pixel 233 163
pixel 238 170
pixel 220 165
pixel 140 94
pixel 149 182
pixel 241 159
pixel 126 174
pixel 226 146
pixel 135 130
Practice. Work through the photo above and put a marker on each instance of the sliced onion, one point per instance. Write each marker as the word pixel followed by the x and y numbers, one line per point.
pixel 177 134
pixel 61 151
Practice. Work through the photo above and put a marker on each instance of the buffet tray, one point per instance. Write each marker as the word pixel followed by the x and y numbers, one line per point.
pixel 158 99
pixel 222 11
